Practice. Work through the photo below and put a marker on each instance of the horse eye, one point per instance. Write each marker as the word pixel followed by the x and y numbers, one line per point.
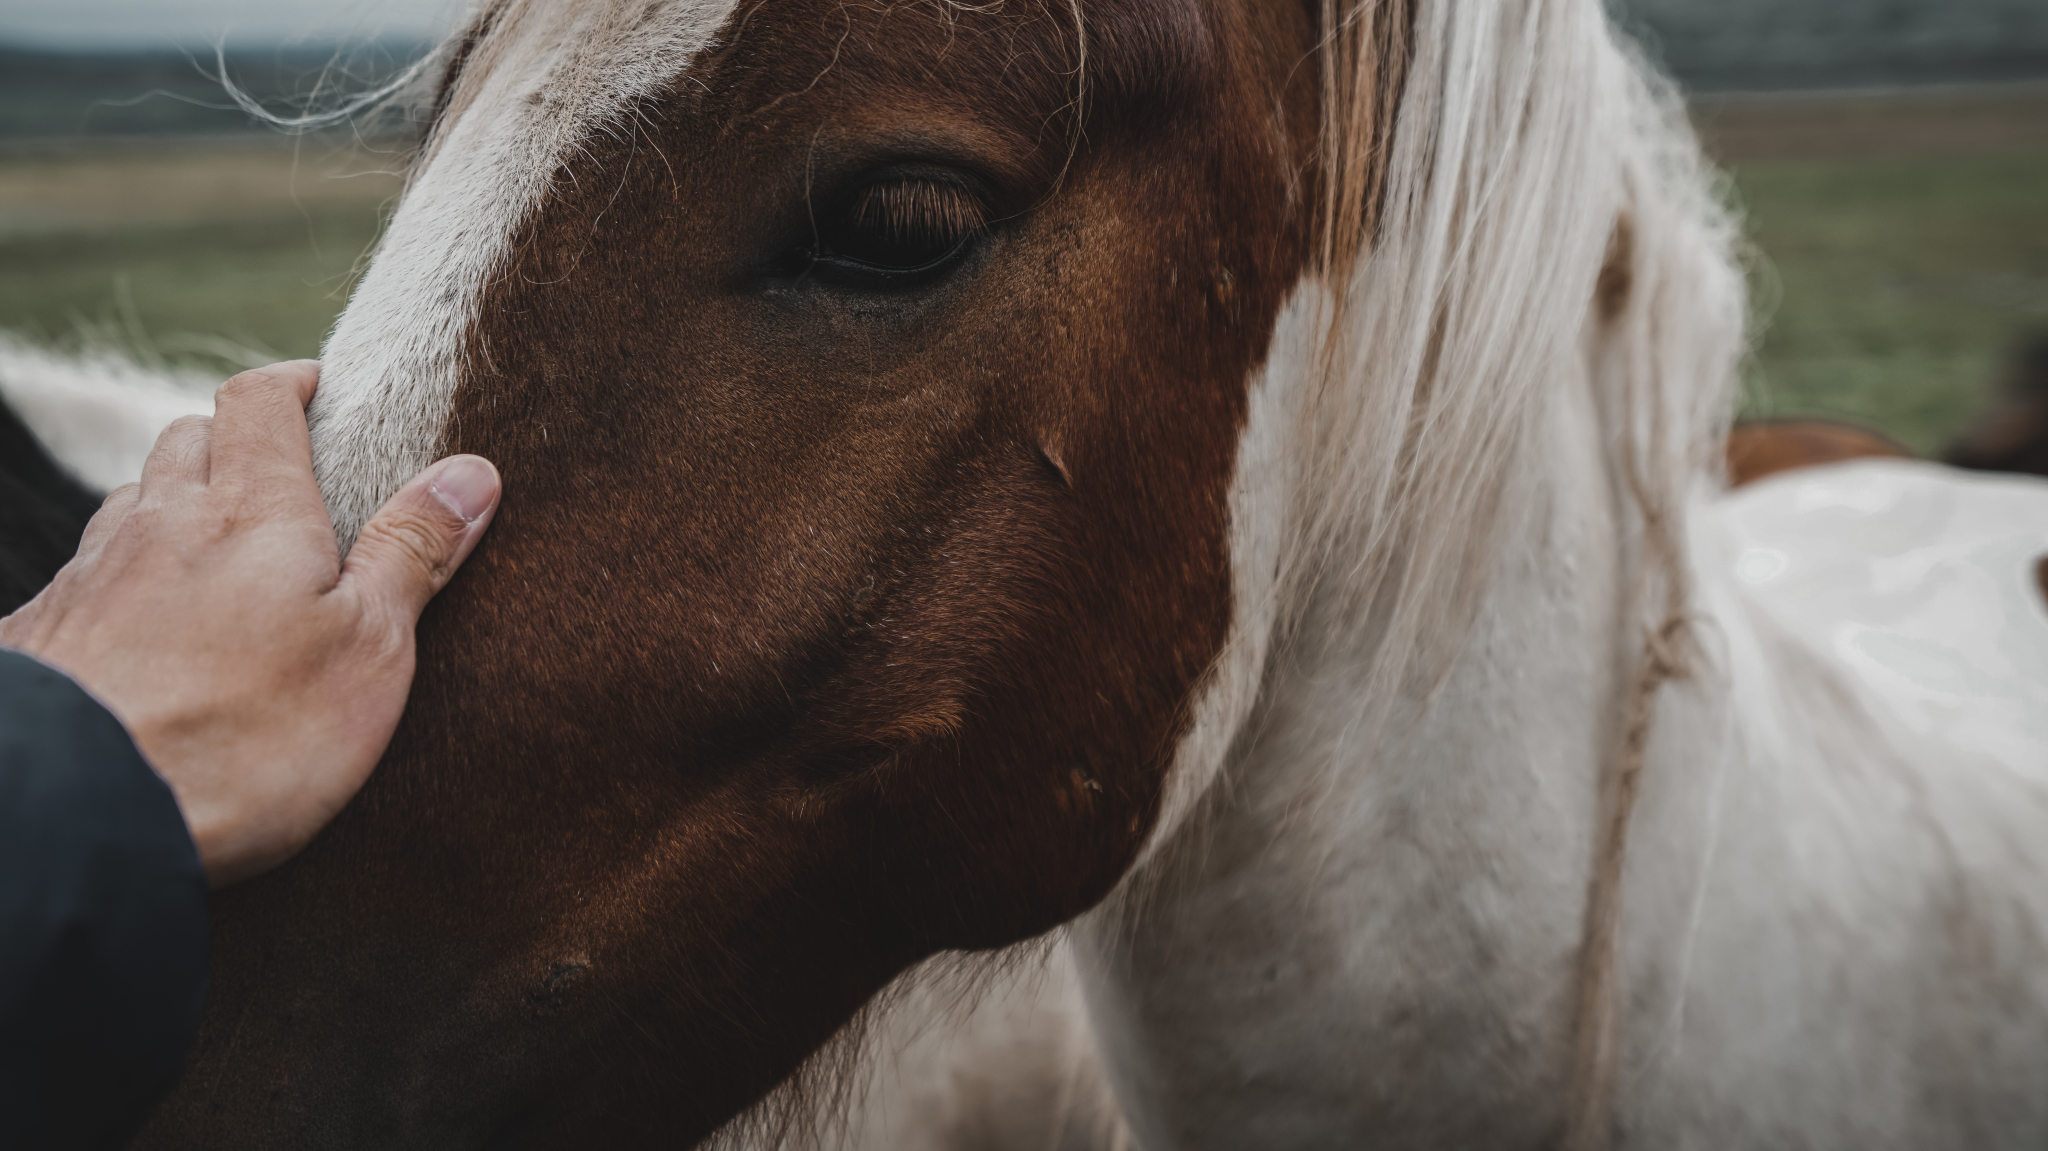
pixel 901 226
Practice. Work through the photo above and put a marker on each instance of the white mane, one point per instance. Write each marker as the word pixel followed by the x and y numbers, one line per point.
pixel 1550 228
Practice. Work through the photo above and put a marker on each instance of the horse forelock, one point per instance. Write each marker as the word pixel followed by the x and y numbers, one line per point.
pixel 527 84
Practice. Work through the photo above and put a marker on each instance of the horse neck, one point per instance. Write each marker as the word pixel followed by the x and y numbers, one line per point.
pixel 1375 927
pixel 1409 886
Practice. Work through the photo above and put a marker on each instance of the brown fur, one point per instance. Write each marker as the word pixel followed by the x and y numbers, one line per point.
pixel 1760 448
pixel 819 631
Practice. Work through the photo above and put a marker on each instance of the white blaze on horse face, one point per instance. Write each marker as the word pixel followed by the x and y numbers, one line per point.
pixel 543 79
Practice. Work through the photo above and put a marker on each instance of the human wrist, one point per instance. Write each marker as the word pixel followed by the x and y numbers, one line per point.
pixel 218 833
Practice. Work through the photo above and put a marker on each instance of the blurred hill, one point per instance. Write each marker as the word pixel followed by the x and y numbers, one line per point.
pixel 80 94
pixel 1710 45
pixel 1786 45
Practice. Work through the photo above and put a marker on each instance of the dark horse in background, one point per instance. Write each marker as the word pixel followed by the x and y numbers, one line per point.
pixel 43 512
pixel 1138 572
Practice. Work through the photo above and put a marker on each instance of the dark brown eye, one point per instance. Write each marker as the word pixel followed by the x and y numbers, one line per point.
pixel 901 227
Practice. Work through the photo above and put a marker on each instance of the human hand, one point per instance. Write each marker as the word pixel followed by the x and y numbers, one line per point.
pixel 209 610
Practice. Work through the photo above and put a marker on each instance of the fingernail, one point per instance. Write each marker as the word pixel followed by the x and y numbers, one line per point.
pixel 467 485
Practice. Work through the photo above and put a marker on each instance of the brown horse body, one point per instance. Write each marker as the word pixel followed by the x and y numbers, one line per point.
pixel 1760 448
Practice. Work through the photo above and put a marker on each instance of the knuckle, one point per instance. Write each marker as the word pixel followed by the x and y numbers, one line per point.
pixel 389 634
pixel 116 509
pixel 218 524
pixel 255 381
pixel 269 380
pixel 183 444
pixel 417 539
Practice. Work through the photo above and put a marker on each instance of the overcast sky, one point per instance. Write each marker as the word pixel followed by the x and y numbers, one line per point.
pixel 168 23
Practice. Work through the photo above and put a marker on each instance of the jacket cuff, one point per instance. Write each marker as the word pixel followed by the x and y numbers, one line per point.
pixel 103 928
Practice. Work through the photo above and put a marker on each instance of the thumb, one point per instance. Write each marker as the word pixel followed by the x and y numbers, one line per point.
pixel 412 546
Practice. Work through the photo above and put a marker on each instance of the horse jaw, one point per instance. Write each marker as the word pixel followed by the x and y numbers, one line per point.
pixel 998 1051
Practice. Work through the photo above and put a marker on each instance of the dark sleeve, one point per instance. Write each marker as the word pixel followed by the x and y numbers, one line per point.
pixel 103 931
pixel 43 512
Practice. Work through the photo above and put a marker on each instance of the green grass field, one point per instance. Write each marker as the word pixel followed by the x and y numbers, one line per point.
pixel 1893 288
pixel 1901 250
pixel 216 254
pixel 271 285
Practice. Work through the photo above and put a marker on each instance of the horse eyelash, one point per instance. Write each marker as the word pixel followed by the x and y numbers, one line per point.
pixel 905 209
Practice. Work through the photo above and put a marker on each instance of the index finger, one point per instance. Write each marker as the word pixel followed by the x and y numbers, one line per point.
pixel 259 425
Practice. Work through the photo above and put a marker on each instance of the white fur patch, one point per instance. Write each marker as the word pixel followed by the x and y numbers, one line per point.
pixel 543 80
pixel 97 414
pixel 1919 581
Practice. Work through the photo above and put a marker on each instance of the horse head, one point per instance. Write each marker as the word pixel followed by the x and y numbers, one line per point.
pixel 868 382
